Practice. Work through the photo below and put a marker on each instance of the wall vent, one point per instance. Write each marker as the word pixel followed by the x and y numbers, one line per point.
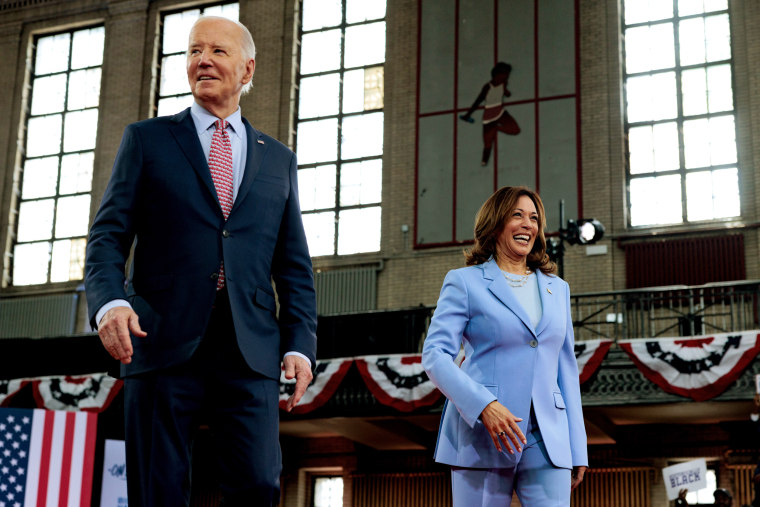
pixel 38 316
pixel 346 290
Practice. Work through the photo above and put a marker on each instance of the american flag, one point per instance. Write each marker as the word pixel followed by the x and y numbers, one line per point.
pixel 46 457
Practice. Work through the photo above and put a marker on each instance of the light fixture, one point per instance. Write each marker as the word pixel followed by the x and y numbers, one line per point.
pixel 585 231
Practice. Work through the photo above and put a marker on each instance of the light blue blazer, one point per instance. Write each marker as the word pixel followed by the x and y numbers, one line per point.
pixel 505 360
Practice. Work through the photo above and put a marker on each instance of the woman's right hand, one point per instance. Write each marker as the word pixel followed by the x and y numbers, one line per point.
pixel 502 426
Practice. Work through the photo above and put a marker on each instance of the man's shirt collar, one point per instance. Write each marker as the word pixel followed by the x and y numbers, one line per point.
pixel 204 120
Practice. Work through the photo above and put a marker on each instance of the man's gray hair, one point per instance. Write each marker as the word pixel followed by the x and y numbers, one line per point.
pixel 246 43
pixel 249 50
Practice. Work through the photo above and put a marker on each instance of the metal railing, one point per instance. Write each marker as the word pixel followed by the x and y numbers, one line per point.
pixel 678 310
pixel 637 313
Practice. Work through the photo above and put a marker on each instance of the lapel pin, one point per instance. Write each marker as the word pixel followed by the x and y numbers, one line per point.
pixel 548 290
pixel 260 141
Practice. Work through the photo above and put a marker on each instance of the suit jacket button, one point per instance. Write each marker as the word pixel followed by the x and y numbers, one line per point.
pixel 225 233
pixel 213 276
pixel 534 343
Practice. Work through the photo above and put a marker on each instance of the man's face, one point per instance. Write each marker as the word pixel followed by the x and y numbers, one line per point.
pixel 722 500
pixel 217 68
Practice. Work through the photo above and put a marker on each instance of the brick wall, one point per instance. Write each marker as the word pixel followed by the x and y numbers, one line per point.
pixel 410 277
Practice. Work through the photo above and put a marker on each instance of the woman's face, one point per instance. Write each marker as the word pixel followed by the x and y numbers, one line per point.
pixel 516 239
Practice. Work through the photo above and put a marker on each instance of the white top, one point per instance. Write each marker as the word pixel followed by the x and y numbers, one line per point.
pixel 528 297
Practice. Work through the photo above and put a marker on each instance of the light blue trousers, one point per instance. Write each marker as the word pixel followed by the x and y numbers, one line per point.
pixel 536 481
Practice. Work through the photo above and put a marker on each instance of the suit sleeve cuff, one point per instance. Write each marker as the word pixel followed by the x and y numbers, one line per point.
pixel 108 306
pixel 293 353
pixel 474 407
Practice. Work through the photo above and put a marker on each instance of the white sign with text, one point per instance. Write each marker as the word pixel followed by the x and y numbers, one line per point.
pixel 690 475
pixel 114 491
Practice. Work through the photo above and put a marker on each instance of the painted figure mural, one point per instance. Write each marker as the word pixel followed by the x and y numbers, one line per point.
pixel 495 116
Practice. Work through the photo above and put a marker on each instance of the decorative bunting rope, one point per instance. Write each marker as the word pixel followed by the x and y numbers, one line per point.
pixel 699 368
pixel 398 381
pixel 327 377
pixel 589 354
pixel 90 393
pixel 9 388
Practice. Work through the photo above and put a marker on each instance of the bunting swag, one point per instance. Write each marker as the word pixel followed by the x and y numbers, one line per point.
pixel 589 354
pixel 8 388
pixel 90 393
pixel 327 376
pixel 398 381
pixel 699 368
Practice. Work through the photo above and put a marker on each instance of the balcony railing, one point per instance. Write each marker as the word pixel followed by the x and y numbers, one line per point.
pixel 638 313
pixel 678 310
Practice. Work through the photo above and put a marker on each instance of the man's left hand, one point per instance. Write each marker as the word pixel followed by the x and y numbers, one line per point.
pixel 298 368
pixel 577 476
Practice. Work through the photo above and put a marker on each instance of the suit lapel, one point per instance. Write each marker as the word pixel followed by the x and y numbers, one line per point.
pixel 499 288
pixel 548 300
pixel 255 150
pixel 183 130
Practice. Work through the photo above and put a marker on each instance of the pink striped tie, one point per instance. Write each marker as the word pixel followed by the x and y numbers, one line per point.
pixel 220 165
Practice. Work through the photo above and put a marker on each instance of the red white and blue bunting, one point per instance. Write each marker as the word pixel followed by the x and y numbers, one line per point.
pixel 9 388
pixel 398 381
pixel 589 354
pixel 90 393
pixel 699 368
pixel 327 376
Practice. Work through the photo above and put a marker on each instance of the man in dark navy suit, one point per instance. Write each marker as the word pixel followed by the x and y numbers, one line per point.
pixel 211 207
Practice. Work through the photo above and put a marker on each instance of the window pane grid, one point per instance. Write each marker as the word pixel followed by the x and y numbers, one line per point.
pixel 339 118
pixel 342 208
pixel 679 113
pixel 54 200
pixel 341 25
pixel 306 118
pixel 344 161
pixel 172 90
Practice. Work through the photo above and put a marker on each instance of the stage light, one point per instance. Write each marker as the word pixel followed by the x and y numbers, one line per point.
pixel 585 231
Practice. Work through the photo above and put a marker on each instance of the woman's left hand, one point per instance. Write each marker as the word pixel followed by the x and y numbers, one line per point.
pixel 577 477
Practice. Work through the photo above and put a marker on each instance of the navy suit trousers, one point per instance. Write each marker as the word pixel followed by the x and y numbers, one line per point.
pixel 164 410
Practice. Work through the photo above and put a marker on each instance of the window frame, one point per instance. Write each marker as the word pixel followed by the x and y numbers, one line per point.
pixel 327 474
pixel 23 157
pixel 679 119
pixel 339 162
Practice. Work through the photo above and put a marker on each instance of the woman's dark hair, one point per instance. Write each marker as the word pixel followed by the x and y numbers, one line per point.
pixel 490 221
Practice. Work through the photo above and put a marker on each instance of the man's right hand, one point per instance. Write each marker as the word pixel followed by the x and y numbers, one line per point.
pixel 114 329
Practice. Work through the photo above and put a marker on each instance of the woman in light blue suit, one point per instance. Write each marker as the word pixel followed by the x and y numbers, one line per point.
pixel 513 419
